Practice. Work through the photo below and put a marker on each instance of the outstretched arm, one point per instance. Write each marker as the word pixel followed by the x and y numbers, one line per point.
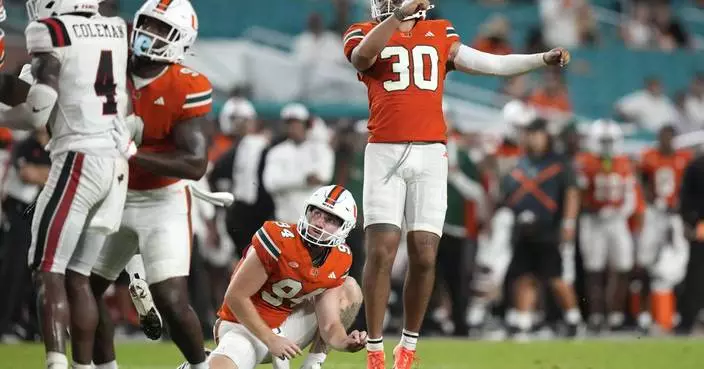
pixel 469 60
pixel 189 161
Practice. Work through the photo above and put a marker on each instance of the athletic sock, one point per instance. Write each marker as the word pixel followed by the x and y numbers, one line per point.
pixel 375 344
pixel 409 340
pixel 56 360
pixel 110 365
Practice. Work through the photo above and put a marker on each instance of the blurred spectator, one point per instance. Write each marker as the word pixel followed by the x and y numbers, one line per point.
pixel 553 97
pixel 561 21
pixel 515 87
pixel 694 101
pixel 294 168
pixel 682 122
pixel 493 36
pixel 235 110
pixel 316 43
pixel 587 26
pixel 669 32
pixel 637 32
pixel 650 108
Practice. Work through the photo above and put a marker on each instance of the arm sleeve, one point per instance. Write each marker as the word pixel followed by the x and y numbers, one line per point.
pixel 474 61
pixel 198 99
pixel 278 176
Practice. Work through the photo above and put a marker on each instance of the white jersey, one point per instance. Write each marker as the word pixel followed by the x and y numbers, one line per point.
pixel 92 89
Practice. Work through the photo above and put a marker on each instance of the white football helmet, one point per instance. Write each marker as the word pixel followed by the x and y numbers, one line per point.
pixel 335 200
pixel 605 137
pixel 38 9
pixel 172 46
pixel 3 12
pixel 384 8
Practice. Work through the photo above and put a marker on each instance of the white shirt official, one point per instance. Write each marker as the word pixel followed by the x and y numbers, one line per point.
pixel 286 170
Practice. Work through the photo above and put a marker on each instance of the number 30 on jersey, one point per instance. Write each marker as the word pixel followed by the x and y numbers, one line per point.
pixel 412 62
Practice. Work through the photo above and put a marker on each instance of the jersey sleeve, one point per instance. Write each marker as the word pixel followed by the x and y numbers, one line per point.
pixel 265 247
pixel 353 36
pixel 451 36
pixel 198 95
pixel 45 35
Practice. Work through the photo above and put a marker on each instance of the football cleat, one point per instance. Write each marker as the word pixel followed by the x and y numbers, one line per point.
pixel 403 358
pixel 375 360
pixel 149 318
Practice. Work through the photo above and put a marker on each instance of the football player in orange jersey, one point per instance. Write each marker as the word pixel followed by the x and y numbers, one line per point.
pixel 609 199
pixel 403 60
pixel 173 102
pixel 662 248
pixel 291 284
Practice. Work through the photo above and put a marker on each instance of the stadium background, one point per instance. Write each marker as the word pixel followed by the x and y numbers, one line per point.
pixel 248 47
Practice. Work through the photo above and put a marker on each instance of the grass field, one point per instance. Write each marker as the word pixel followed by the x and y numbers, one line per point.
pixel 442 354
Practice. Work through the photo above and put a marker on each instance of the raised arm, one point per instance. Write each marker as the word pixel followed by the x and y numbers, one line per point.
pixel 365 54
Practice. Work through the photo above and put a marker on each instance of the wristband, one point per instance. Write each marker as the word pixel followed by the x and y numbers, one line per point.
pixel 398 15
pixel 568 223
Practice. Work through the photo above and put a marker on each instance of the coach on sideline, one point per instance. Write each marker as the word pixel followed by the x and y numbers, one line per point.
pixel 540 203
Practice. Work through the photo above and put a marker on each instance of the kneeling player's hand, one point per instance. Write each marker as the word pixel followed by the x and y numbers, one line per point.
pixel 356 341
pixel 283 348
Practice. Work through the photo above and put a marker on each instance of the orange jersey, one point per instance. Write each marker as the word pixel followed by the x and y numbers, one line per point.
pixel 664 173
pixel 177 94
pixel 603 181
pixel 292 276
pixel 405 84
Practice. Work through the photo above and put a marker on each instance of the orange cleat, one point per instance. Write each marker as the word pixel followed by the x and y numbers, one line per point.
pixel 403 358
pixel 376 360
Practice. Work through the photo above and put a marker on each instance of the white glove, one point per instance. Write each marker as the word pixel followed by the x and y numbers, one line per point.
pixel 135 126
pixel 123 140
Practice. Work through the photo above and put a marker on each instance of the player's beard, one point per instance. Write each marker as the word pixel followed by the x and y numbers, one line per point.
pixel 145 65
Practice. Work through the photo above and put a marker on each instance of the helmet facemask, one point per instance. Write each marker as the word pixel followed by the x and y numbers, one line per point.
pixel 381 9
pixel 155 39
pixel 321 228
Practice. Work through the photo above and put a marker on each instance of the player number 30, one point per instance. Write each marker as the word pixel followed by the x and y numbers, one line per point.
pixel 402 67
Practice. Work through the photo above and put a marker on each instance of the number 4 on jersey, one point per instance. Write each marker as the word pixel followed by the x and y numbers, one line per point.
pixel 105 83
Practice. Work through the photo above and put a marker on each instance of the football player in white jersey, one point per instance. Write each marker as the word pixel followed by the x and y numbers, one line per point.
pixel 173 102
pixel 79 63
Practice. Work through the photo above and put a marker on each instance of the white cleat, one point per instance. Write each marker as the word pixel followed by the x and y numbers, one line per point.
pixel 149 318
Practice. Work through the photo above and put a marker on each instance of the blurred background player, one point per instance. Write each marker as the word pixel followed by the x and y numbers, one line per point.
pixel 405 174
pixel 608 199
pixel 84 195
pixel 662 248
pixel 292 287
pixel 172 101
pixel 540 206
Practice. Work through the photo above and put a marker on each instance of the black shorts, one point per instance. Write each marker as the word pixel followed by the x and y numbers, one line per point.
pixel 540 258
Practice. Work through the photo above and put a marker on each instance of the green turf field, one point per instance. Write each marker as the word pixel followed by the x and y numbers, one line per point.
pixel 443 354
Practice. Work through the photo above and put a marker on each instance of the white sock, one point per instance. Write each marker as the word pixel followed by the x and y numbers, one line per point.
pixel 56 360
pixel 202 365
pixel 616 319
pixel 596 319
pixel 573 316
pixel 375 344
pixel 314 358
pixel 81 366
pixel 409 340
pixel 110 365
pixel 524 319
pixel 476 314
